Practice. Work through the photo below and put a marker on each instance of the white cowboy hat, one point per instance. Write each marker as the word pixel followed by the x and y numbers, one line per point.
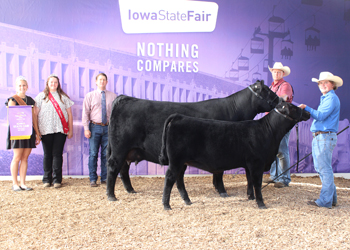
pixel 330 77
pixel 279 66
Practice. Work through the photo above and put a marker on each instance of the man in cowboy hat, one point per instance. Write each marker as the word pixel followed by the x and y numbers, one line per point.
pixel 324 128
pixel 284 90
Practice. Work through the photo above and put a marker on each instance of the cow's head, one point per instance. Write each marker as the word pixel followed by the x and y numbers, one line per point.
pixel 292 112
pixel 266 98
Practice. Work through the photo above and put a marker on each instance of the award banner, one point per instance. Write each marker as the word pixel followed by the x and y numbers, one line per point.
pixel 20 120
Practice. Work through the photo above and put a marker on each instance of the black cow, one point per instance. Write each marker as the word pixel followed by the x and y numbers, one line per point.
pixel 216 146
pixel 136 126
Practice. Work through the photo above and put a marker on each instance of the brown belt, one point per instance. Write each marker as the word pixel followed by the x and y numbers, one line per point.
pixel 321 132
pixel 100 123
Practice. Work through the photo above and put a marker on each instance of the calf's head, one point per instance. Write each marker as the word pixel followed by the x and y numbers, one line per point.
pixel 266 98
pixel 292 112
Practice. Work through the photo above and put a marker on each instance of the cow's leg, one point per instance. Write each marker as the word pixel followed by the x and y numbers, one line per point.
pixel 181 186
pixel 171 176
pixel 250 190
pixel 257 181
pixel 112 173
pixel 124 175
pixel 219 184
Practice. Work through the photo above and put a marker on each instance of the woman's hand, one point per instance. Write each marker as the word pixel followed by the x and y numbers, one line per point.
pixel 70 134
pixel 38 139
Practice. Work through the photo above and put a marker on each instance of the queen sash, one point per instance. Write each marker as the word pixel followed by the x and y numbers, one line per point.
pixel 60 113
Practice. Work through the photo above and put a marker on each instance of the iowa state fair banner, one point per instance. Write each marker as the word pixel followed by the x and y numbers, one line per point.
pixel 177 51
pixel 20 121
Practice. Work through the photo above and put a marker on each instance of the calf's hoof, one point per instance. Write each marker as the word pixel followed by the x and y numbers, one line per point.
pixel 167 207
pixel 188 202
pixel 261 205
pixel 224 195
pixel 251 197
pixel 112 198
pixel 132 191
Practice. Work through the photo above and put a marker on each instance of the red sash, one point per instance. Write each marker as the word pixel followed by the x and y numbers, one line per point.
pixel 60 114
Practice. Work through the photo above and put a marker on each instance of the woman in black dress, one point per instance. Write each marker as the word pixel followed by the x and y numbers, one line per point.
pixel 21 148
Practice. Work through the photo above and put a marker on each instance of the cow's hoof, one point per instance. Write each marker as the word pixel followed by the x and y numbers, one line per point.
pixel 167 208
pixel 223 195
pixel 131 191
pixel 262 207
pixel 112 198
pixel 188 202
pixel 250 197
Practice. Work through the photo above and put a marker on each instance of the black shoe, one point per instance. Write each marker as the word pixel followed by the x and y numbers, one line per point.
pixel 312 203
pixel 26 188
pixel 103 183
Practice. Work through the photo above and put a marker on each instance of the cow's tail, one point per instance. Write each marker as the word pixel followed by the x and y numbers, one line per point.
pixel 163 157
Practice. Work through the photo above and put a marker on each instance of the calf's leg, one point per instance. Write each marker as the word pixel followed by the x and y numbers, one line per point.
pixel 171 176
pixel 124 175
pixel 113 169
pixel 250 189
pixel 257 181
pixel 181 186
pixel 219 184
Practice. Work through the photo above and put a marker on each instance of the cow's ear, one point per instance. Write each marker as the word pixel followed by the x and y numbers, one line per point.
pixel 262 82
pixel 280 100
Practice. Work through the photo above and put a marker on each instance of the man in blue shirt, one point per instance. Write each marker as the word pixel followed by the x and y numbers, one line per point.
pixel 324 128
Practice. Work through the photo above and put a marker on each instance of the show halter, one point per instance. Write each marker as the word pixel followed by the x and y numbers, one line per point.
pixel 290 118
pixel 259 96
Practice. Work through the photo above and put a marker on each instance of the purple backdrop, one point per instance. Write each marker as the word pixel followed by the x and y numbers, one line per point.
pixel 78 39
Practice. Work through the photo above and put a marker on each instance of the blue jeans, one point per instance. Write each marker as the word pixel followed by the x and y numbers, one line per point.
pixel 322 151
pixel 283 162
pixel 99 137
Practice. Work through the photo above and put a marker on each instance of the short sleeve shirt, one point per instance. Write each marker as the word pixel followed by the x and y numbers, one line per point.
pixel 49 121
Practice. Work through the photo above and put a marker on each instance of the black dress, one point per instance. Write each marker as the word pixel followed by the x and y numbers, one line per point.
pixel 27 143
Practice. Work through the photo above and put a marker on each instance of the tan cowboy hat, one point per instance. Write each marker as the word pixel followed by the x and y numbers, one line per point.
pixel 279 66
pixel 330 77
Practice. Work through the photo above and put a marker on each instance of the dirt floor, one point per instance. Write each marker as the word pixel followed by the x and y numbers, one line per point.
pixel 77 216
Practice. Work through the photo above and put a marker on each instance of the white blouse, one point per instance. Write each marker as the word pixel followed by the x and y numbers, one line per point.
pixel 48 120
